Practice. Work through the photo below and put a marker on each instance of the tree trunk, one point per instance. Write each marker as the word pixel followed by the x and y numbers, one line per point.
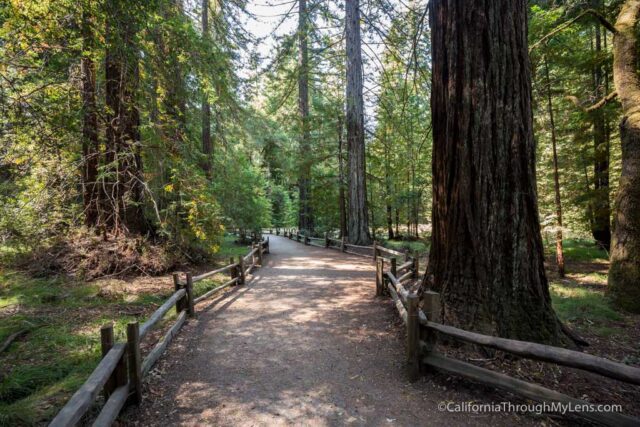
pixel 387 186
pixel 556 175
pixel 624 273
pixel 305 221
pixel 486 254
pixel 90 141
pixel 601 209
pixel 341 196
pixel 358 218
pixel 207 146
pixel 124 192
pixel 397 223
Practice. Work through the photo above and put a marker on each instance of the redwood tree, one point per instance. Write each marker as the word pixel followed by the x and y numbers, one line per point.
pixel 486 254
pixel 358 227
pixel 624 273
pixel 90 140
pixel 123 196
pixel 305 221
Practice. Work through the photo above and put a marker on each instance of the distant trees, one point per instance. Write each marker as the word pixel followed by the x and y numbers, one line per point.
pixel 486 255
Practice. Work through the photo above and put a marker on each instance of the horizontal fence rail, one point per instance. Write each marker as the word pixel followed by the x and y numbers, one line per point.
pixel 426 324
pixel 120 371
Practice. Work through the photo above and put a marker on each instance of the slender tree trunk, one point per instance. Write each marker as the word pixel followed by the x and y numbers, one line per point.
pixel 342 201
pixel 305 221
pixel 124 191
pixel 387 183
pixel 207 146
pixel 486 254
pixel 556 175
pixel 601 228
pixel 397 223
pixel 624 273
pixel 358 218
pixel 90 141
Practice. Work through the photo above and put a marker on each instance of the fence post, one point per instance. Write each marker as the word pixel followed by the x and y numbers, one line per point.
pixel 415 268
pixel 260 254
pixel 342 246
pixel 375 251
pixel 234 271
pixel 135 362
pixel 326 239
pixel 241 267
pixel 189 303
pixel 106 343
pixel 379 273
pixel 307 240
pixel 394 267
pixel 253 254
pixel 176 287
pixel 266 247
pixel 413 338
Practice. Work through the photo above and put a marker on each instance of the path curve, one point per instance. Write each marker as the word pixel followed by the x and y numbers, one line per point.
pixel 305 342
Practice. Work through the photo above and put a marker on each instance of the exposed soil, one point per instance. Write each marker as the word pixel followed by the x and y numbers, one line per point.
pixel 305 342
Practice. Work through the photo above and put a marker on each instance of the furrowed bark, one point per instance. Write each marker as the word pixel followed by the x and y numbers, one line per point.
pixel 486 255
pixel 90 141
pixel 624 272
pixel 358 219
pixel 305 221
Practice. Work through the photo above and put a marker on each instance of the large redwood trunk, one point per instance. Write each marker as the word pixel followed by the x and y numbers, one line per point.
pixel 358 219
pixel 624 273
pixel 90 141
pixel 342 200
pixel 486 254
pixel 123 195
pixel 305 221
pixel 207 146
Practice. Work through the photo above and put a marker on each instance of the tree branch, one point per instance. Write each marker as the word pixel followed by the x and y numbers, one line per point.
pixel 570 22
pixel 604 101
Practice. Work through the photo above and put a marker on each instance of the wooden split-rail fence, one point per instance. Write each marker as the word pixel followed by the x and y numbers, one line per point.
pixel 423 326
pixel 121 370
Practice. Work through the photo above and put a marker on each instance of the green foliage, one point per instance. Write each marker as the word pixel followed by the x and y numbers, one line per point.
pixel 579 250
pixel 241 190
pixel 582 304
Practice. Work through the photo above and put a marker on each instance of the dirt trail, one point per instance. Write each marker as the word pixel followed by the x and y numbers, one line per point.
pixel 305 342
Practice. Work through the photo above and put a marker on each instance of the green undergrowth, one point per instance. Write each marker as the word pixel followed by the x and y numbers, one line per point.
pixel 230 249
pixel 62 317
pixel 578 250
pixel 416 247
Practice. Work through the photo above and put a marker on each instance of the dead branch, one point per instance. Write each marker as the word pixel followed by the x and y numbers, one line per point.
pixel 604 101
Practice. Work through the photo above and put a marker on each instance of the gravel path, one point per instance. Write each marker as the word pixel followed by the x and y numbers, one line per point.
pixel 305 342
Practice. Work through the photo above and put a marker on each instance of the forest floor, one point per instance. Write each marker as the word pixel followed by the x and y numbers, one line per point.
pixel 61 317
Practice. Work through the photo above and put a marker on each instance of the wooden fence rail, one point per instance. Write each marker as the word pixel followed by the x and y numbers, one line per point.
pixel 426 324
pixel 120 371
